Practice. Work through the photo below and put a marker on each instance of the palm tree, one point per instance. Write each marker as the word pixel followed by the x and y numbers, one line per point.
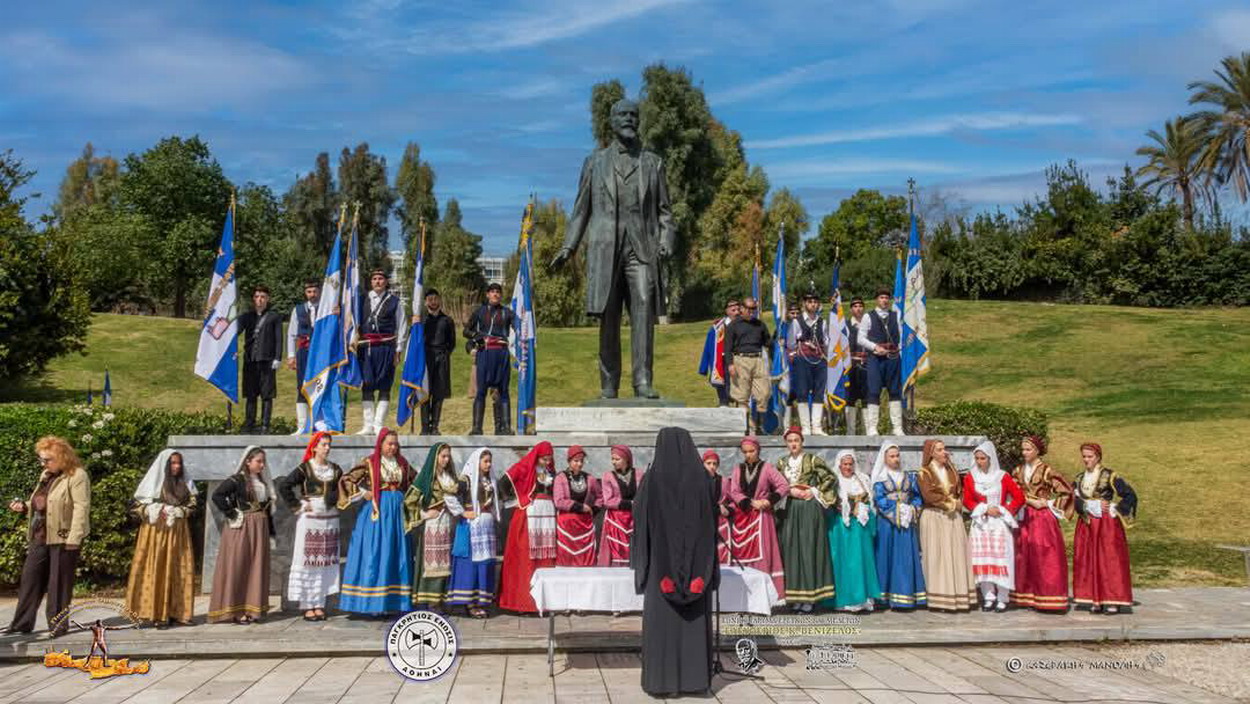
pixel 1174 163
pixel 1227 151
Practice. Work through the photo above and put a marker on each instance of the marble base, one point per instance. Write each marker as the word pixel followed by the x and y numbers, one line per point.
pixel 623 417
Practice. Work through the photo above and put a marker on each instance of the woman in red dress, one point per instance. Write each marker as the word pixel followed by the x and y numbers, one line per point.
pixel 617 491
pixel 1041 561
pixel 576 492
pixel 1100 564
pixel 532 528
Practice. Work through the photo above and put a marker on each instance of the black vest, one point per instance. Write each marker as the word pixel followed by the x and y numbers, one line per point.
pixel 882 334
pixel 381 321
pixel 853 332
pixel 303 321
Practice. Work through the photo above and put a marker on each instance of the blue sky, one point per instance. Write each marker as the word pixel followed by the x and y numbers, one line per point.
pixel 974 98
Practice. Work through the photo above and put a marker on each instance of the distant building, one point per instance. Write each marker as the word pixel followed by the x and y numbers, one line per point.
pixel 398 282
pixel 492 268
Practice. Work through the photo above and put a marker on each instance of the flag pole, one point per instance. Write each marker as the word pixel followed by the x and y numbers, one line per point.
pixel 416 314
pixel 909 418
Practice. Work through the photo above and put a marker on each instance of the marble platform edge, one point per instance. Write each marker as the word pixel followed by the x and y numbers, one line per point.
pixel 606 641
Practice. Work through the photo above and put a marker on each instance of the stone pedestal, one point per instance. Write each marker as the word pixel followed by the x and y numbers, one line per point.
pixel 631 416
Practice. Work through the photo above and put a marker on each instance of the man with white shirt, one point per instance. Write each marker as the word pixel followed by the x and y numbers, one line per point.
pixel 805 343
pixel 879 336
pixel 382 332
pixel 298 336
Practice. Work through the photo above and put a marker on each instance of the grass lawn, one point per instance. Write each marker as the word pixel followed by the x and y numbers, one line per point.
pixel 1160 390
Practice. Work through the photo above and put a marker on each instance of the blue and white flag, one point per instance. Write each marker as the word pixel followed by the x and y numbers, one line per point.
pixel 755 284
pixel 217 358
pixel 779 368
pixel 523 338
pixel 326 355
pixel 350 375
pixel 837 349
pixel 414 385
pixel 913 323
pixel 107 397
pixel 900 287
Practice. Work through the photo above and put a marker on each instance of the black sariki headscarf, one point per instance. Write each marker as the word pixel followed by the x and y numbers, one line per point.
pixel 675 522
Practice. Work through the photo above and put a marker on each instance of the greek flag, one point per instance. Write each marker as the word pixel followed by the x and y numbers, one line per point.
pixel 523 339
pixel 217 359
pixel 779 368
pixel 350 374
pixel 837 349
pixel 326 355
pixel 913 322
pixel 414 385
pixel 108 389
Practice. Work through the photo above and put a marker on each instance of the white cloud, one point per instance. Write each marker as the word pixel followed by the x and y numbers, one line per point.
pixel 923 128
pixel 822 168
pixel 164 69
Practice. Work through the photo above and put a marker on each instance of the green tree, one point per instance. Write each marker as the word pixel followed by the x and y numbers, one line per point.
pixel 730 231
pixel 179 187
pixel 862 223
pixel 44 313
pixel 559 296
pixel 110 253
pixel 786 219
pixel 1226 122
pixel 265 243
pixel 362 179
pixel 414 184
pixel 454 269
pixel 312 206
pixel 1173 164
pixel 89 180
pixel 602 97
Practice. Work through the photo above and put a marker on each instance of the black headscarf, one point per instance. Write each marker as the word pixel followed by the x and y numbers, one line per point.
pixel 675 522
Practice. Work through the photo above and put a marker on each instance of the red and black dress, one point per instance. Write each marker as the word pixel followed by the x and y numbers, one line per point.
pixel 1100 560
pixel 575 527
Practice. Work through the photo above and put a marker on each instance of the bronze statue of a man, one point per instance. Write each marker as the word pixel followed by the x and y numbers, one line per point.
pixel 622 208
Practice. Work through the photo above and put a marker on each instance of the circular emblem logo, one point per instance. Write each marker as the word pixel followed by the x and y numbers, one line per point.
pixel 422 645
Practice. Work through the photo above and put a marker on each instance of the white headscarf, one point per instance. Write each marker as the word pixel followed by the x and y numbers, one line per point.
pixel 270 492
pixel 849 486
pixel 879 469
pixel 149 489
pixel 987 479
pixel 471 471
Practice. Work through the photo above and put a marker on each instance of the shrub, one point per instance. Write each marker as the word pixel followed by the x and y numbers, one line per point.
pixel 117 444
pixel 1003 425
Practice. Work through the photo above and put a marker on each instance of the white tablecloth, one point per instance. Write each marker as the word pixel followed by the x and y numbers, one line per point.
pixel 612 589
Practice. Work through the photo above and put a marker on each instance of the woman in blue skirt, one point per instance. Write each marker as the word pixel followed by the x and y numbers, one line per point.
pixel 851 530
pixel 378 578
pixel 473 551
pixel 896 496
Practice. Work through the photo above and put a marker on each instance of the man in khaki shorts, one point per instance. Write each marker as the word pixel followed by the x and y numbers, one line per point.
pixel 746 359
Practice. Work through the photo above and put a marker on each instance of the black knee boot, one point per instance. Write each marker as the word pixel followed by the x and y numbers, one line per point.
pixel 266 412
pixel 249 417
pixel 479 413
pixel 503 417
pixel 427 413
pixel 436 415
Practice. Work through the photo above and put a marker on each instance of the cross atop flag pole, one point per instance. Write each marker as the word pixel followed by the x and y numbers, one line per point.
pixel 913 321
pixel 414 385
pixel 217 358
pixel 523 339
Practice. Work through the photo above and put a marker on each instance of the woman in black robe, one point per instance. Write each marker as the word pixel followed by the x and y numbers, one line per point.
pixel 673 555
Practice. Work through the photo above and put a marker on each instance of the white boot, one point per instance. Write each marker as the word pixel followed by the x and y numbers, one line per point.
pixel 301 418
pixel 896 417
pixel 818 419
pixel 870 418
pixel 379 415
pixel 366 413
pixel 805 419
pixel 852 420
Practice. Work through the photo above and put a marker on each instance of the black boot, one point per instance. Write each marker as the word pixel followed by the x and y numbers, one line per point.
pixel 479 413
pixel 436 416
pixel 503 417
pixel 266 412
pixel 249 417
pixel 426 413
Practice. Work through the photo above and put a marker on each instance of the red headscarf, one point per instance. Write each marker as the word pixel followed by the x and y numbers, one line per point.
pixel 750 440
pixel 574 451
pixel 1039 443
pixel 1093 446
pixel 625 452
pixel 793 430
pixel 375 467
pixel 524 474
pixel 711 454
pixel 312 444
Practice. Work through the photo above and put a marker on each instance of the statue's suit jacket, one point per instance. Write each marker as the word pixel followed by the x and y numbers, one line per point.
pixel 595 211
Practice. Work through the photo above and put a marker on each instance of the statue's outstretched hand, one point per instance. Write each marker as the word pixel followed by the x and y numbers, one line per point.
pixel 664 253
pixel 561 257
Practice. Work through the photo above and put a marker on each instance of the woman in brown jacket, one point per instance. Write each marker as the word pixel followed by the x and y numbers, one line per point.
pixel 943 538
pixel 58 522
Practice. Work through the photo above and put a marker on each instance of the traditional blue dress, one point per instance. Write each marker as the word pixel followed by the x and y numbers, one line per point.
pixel 899 573
pixel 474 549
pixel 378 577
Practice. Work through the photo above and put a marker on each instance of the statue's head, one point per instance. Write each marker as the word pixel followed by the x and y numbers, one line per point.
pixel 625 120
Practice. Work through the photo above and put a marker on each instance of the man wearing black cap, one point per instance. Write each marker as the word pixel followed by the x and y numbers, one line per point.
pixel 879 336
pixel 805 343
pixel 858 374
pixel 298 337
pixel 488 328
pixel 440 340
pixel 382 332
